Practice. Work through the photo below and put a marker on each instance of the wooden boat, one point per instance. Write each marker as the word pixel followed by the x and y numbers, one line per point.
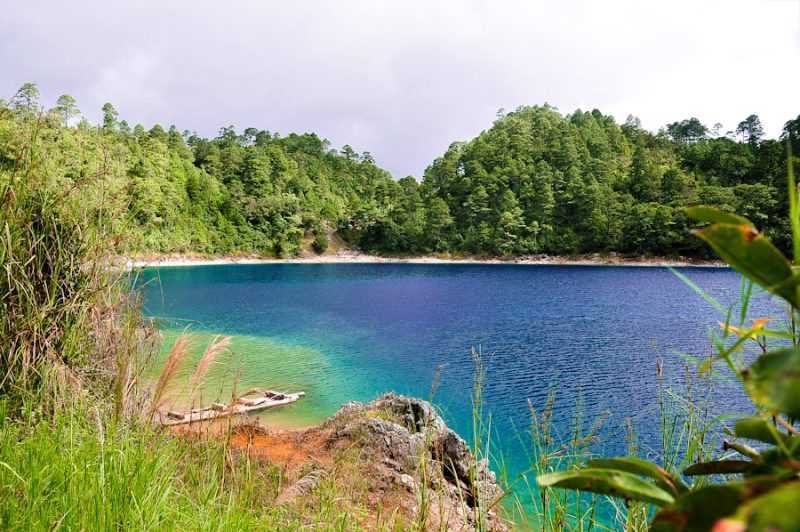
pixel 252 401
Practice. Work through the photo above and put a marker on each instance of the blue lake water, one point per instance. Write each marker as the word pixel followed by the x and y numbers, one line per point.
pixel 350 332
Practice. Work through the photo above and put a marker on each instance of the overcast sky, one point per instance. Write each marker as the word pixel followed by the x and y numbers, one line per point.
pixel 405 79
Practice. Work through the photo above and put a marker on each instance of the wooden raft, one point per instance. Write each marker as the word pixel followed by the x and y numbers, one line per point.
pixel 252 401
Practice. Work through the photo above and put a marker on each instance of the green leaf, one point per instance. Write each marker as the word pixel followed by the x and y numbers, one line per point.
pixel 608 482
pixel 632 464
pixel 777 510
pixel 705 214
pixel 721 467
pixel 699 291
pixel 759 429
pixel 772 333
pixel 794 218
pixel 778 463
pixel 700 509
pixel 745 450
pixel 749 252
pixel 746 292
pixel 773 381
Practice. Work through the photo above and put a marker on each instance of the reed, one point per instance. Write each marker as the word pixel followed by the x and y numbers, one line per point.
pixel 217 347
pixel 177 355
pixel 55 288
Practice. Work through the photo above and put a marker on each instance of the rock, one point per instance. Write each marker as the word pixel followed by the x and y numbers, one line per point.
pixel 405 433
pixel 348 409
pixel 302 487
pixel 407 481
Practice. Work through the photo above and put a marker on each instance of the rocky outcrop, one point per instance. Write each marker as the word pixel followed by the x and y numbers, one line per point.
pixel 394 456
pixel 414 445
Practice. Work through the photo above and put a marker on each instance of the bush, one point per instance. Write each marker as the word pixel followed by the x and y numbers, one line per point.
pixel 320 243
pixel 56 288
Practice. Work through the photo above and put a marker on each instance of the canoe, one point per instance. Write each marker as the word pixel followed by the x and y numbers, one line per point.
pixel 252 401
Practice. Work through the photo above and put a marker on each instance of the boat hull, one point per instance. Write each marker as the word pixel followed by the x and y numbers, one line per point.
pixel 269 400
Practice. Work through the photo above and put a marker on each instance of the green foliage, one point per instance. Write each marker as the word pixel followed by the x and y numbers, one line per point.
pixel 537 181
pixel 758 429
pixel 632 464
pixel 82 471
pixel 54 282
pixel 703 508
pixel 777 510
pixel 320 243
pixel 78 474
pixel 764 494
pixel 607 482
pixel 773 381
pixel 748 251
pixel 254 192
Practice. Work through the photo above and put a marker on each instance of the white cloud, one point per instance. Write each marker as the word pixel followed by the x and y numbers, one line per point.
pixel 403 80
pixel 133 79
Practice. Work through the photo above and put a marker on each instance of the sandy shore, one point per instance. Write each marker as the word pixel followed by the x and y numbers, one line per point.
pixel 358 258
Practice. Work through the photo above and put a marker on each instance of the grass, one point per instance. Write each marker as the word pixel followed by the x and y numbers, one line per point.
pixel 69 473
pixel 78 471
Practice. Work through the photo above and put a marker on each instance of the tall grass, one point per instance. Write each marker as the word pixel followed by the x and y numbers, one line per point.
pixel 177 354
pixel 551 449
pixel 64 317
pixel 77 450
pixel 83 471
pixel 49 294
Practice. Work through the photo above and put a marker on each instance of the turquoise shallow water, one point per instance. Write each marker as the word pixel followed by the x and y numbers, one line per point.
pixel 350 332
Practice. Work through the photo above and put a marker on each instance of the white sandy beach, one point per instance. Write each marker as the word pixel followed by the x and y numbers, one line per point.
pixel 359 258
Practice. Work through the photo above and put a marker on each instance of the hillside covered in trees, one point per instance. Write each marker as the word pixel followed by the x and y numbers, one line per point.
pixel 536 182
pixel 253 192
pixel 541 182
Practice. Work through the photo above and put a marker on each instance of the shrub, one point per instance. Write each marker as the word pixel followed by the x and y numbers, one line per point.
pixel 320 244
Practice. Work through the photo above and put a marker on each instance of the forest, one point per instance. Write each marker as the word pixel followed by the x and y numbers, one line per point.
pixel 536 182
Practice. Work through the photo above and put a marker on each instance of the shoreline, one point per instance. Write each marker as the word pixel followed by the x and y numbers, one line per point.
pixel 182 260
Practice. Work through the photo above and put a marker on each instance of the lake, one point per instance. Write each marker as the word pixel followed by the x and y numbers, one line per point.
pixel 344 332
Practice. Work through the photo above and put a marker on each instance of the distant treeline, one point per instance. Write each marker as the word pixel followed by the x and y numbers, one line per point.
pixel 537 181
